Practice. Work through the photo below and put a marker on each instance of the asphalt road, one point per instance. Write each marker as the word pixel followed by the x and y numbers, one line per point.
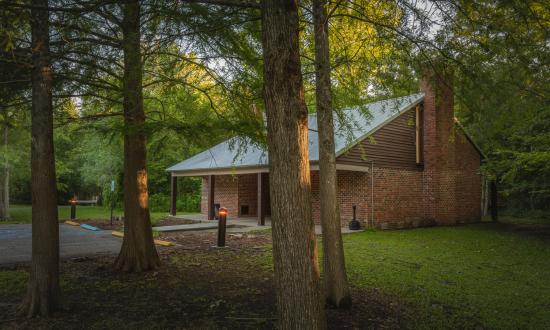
pixel 15 243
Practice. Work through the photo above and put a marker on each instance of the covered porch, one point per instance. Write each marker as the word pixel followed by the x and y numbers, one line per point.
pixel 245 195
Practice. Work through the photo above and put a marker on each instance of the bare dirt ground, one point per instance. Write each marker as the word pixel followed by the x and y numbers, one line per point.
pixel 118 224
pixel 197 287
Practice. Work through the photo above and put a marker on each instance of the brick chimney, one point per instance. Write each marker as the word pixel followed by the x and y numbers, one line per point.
pixel 440 180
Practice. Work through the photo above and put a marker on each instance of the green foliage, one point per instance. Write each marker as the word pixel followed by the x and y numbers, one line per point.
pixel 189 203
pixel 159 203
pixel 503 93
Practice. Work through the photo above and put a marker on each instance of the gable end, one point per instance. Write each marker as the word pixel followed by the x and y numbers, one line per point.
pixel 393 145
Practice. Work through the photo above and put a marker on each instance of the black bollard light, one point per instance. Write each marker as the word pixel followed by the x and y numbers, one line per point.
pixel 354 224
pixel 222 223
pixel 73 208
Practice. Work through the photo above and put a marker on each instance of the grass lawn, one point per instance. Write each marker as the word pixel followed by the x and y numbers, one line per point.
pixel 22 213
pixel 483 276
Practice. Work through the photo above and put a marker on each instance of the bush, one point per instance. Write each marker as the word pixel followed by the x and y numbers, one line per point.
pixel 184 203
pixel 159 203
pixel 189 203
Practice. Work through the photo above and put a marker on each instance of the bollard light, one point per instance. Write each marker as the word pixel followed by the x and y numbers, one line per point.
pixel 222 223
pixel 73 202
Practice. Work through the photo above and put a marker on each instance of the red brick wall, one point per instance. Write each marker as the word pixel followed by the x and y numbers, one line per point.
pixel 232 191
pixel 351 191
pixel 397 197
pixel 248 193
pixel 225 193
pixel 452 183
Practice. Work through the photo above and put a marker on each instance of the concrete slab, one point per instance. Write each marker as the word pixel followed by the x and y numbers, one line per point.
pixel 242 225
pixel 189 227
pixel 15 243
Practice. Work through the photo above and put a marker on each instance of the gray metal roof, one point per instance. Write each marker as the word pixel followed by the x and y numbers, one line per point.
pixel 350 127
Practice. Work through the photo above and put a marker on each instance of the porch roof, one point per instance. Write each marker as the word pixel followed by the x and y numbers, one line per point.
pixel 240 154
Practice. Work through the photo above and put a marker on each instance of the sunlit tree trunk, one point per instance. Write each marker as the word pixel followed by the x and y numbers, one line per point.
pixel 334 268
pixel 43 292
pixel 138 252
pixel 295 261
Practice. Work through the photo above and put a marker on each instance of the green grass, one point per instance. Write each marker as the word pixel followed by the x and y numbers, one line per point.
pixel 22 213
pixel 13 282
pixel 480 275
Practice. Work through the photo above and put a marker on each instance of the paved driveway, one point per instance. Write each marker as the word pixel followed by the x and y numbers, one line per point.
pixel 15 242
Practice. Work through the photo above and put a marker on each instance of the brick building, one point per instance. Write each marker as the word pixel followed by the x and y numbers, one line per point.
pixel 407 164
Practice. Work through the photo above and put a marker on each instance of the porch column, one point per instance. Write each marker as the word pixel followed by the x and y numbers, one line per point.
pixel 211 184
pixel 261 200
pixel 173 194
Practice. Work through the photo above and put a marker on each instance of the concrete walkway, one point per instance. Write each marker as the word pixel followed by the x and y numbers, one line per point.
pixel 235 225
pixel 15 242
pixel 189 227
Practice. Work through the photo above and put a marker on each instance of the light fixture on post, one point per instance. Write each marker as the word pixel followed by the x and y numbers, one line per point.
pixel 73 201
pixel 222 223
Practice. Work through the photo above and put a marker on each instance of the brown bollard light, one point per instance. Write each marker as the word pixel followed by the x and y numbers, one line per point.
pixel 222 223
pixel 73 202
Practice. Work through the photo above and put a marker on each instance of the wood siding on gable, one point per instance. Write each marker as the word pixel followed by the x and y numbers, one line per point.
pixel 392 146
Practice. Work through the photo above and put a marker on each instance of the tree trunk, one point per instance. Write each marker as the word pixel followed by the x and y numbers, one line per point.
pixel 138 252
pixel 494 201
pixel 294 244
pixel 43 293
pixel 5 180
pixel 334 268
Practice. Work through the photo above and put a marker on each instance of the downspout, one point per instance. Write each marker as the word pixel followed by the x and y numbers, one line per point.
pixel 372 193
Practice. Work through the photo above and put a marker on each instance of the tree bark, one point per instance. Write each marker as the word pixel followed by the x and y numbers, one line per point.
pixel 334 269
pixel 494 200
pixel 5 180
pixel 43 292
pixel 294 244
pixel 138 252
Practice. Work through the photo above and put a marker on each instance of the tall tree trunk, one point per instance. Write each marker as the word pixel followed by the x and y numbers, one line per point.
pixel 5 179
pixel 43 293
pixel 334 268
pixel 138 252
pixel 294 244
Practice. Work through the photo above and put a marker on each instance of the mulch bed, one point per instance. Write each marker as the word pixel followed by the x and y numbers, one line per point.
pixel 202 240
pixel 197 287
pixel 118 224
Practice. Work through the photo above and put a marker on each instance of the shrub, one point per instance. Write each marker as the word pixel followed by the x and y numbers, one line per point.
pixel 184 203
pixel 159 203
pixel 189 203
